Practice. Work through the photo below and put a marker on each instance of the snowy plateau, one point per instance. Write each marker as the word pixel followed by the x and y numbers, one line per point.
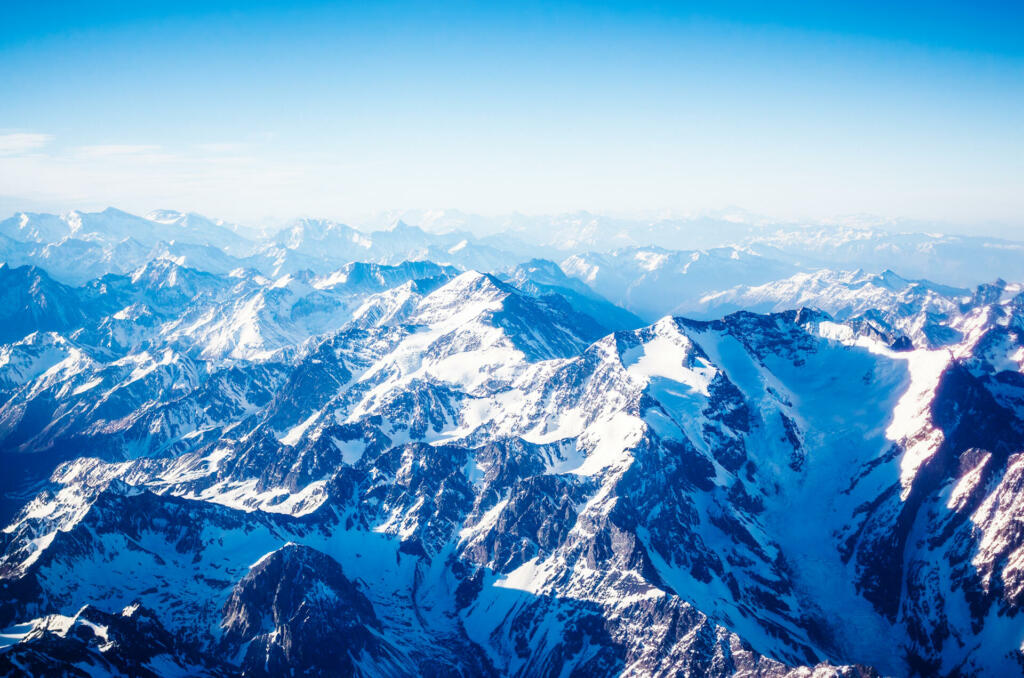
pixel 558 448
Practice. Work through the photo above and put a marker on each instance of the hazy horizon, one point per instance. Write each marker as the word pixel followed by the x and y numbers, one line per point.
pixel 793 112
pixel 442 220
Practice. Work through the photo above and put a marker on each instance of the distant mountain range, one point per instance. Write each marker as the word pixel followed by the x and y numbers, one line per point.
pixel 79 246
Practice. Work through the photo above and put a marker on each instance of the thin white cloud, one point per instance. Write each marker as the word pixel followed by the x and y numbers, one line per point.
pixel 108 150
pixel 226 147
pixel 22 142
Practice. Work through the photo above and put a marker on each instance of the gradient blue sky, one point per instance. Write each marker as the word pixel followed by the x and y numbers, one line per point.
pixel 267 109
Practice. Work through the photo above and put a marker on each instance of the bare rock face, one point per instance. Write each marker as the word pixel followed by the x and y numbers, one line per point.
pixel 132 642
pixel 295 608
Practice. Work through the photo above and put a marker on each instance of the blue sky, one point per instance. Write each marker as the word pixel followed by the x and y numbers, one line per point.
pixel 260 109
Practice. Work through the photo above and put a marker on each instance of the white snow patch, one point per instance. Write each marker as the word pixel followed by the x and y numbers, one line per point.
pixel 92 383
pixel 295 433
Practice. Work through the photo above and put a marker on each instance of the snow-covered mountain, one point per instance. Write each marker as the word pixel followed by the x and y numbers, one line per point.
pixel 951 259
pixel 417 469
pixel 653 282
pixel 584 231
pixel 915 249
pixel 923 312
pixel 80 246
pixel 323 245
pixel 650 266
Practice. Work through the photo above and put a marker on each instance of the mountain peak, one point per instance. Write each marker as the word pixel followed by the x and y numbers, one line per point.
pixel 166 216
